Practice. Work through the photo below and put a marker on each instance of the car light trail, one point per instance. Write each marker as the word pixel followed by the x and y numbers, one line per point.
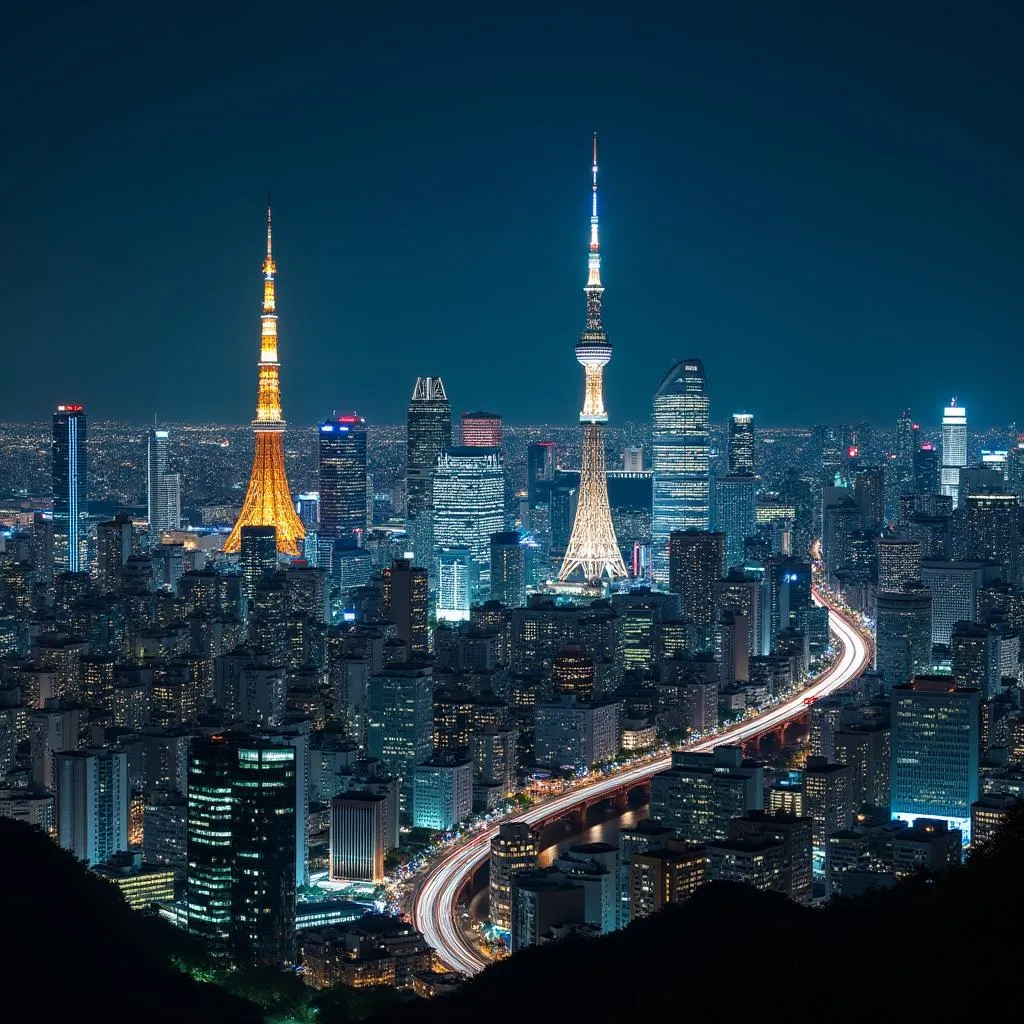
pixel 435 904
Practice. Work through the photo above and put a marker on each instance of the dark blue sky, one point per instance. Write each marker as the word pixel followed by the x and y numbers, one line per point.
pixel 825 206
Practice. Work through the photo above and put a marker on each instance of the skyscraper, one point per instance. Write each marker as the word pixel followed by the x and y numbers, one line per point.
pixel 163 489
pixel 508 569
pixel 592 546
pixel 240 845
pixel 92 803
pixel 259 557
pixel 903 644
pixel 906 446
pixel 926 470
pixel 342 469
pixel 458 582
pixel 741 443
pixel 468 490
pixel 404 602
pixel 480 430
pixel 540 466
pixel 513 848
pixel 268 501
pixel 696 561
pixel 736 513
pixel 954 449
pixel 70 489
pixel 428 434
pixel 680 459
pixel 935 744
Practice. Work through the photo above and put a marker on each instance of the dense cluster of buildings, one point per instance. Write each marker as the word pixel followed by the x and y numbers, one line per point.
pixel 211 717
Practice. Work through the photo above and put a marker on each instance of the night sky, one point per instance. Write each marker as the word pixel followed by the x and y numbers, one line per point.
pixel 826 207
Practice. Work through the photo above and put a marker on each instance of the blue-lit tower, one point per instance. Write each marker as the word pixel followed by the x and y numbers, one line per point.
pixel 70 489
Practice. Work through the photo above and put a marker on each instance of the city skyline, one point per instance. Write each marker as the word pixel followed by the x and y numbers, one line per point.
pixel 721 244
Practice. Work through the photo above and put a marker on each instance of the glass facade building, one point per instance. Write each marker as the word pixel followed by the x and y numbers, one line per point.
pixel 954 449
pixel 240 847
pixel 680 459
pixel 469 503
pixel 935 744
pixel 736 513
pixel 428 434
pixel 741 443
pixel 342 470
pixel 70 490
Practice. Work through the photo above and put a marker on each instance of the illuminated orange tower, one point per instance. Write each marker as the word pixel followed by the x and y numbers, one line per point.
pixel 268 501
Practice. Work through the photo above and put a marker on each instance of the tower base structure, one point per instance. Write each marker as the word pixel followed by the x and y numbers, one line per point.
pixel 593 548
pixel 268 501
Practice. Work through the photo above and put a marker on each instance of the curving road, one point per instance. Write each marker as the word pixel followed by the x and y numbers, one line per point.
pixel 435 904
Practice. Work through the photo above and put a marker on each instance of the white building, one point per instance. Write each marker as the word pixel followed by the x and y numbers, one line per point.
pixel 954 449
pixel 442 794
pixel 458 577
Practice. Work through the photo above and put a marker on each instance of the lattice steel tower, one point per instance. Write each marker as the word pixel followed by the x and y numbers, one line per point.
pixel 268 501
pixel 592 545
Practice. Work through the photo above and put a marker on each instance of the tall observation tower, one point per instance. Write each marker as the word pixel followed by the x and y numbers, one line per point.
pixel 268 501
pixel 592 545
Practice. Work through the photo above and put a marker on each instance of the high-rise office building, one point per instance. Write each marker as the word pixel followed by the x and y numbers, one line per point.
pixel 163 488
pixel 403 601
pixel 468 501
pixel 954 449
pixel 696 561
pixel 429 433
pixel 401 721
pixel 513 849
pixel 926 470
pixel 935 746
pixel 70 489
pixel 508 569
pixel 906 445
pixel 268 501
pixel 976 662
pixel 540 469
pixel 899 564
pixel 592 549
pixel 357 836
pixel 458 583
pixel 903 634
pixel 736 513
pixel 741 443
pixel 258 545
pixel 341 465
pixel 480 430
pixel 680 459
pixel 92 803
pixel 993 531
pixel 241 847
pixel 114 543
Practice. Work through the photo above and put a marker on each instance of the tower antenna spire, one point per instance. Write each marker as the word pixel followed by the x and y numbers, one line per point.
pixel 270 248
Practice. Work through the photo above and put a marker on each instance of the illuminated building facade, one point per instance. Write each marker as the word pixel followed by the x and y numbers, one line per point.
pixel 341 465
pixel 70 489
pixel 92 803
pixel 741 443
pixel 428 434
pixel 736 513
pixel 240 847
pixel 935 745
pixel 468 490
pixel 508 569
pixel 680 459
pixel 660 877
pixel 403 601
pixel 458 580
pixel 268 500
pixel 954 449
pixel 696 562
pixel 442 793
pixel 513 849
pixel 480 430
pixel 163 488
pixel 357 836
pixel 593 549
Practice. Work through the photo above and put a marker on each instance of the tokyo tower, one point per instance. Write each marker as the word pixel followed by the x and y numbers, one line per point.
pixel 592 545
pixel 268 501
